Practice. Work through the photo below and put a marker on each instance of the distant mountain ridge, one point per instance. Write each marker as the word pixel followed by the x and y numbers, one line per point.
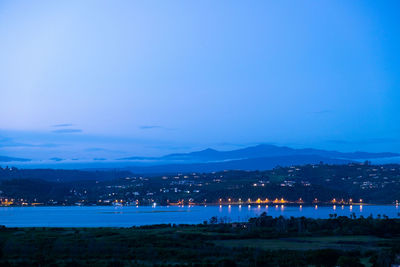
pixel 11 159
pixel 252 164
pixel 260 157
pixel 260 151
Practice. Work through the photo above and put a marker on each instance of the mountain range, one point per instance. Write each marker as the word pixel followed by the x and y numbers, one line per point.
pixel 263 150
pixel 260 157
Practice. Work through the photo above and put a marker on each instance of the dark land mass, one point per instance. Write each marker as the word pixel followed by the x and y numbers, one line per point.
pixel 263 241
pixel 353 182
pixel 251 164
pixel 260 157
pixel 59 175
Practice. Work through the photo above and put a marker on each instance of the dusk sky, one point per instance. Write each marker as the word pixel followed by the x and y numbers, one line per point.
pixel 108 79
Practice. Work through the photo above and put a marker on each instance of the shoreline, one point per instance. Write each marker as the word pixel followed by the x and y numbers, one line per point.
pixel 207 205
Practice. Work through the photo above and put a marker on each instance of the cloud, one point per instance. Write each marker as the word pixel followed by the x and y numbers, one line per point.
pixel 147 127
pixel 56 159
pixel 150 127
pixel 99 159
pixel 62 125
pixel 67 131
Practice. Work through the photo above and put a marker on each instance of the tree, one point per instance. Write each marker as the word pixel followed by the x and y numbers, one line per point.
pixel 347 261
pixel 214 220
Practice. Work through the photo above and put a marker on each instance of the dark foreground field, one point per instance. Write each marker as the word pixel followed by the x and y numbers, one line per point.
pixel 263 241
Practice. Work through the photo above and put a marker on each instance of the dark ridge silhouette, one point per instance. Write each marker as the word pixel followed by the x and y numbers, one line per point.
pixel 261 151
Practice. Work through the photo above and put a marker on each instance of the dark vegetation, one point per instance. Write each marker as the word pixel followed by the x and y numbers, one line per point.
pixel 263 241
pixel 378 184
pixel 56 175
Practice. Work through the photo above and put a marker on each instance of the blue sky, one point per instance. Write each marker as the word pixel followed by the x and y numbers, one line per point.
pixel 84 79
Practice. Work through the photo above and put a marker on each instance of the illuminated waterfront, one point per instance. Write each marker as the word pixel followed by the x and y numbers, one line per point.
pixel 126 216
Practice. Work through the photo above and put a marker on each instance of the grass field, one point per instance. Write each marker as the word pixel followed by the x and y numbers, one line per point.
pixel 362 243
pixel 279 244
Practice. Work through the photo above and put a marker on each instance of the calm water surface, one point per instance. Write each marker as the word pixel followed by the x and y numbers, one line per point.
pixel 109 216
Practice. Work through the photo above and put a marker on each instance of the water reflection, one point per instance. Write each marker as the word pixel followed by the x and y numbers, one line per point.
pixel 127 216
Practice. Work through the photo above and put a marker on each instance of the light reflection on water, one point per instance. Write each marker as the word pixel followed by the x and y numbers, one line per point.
pixel 126 216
